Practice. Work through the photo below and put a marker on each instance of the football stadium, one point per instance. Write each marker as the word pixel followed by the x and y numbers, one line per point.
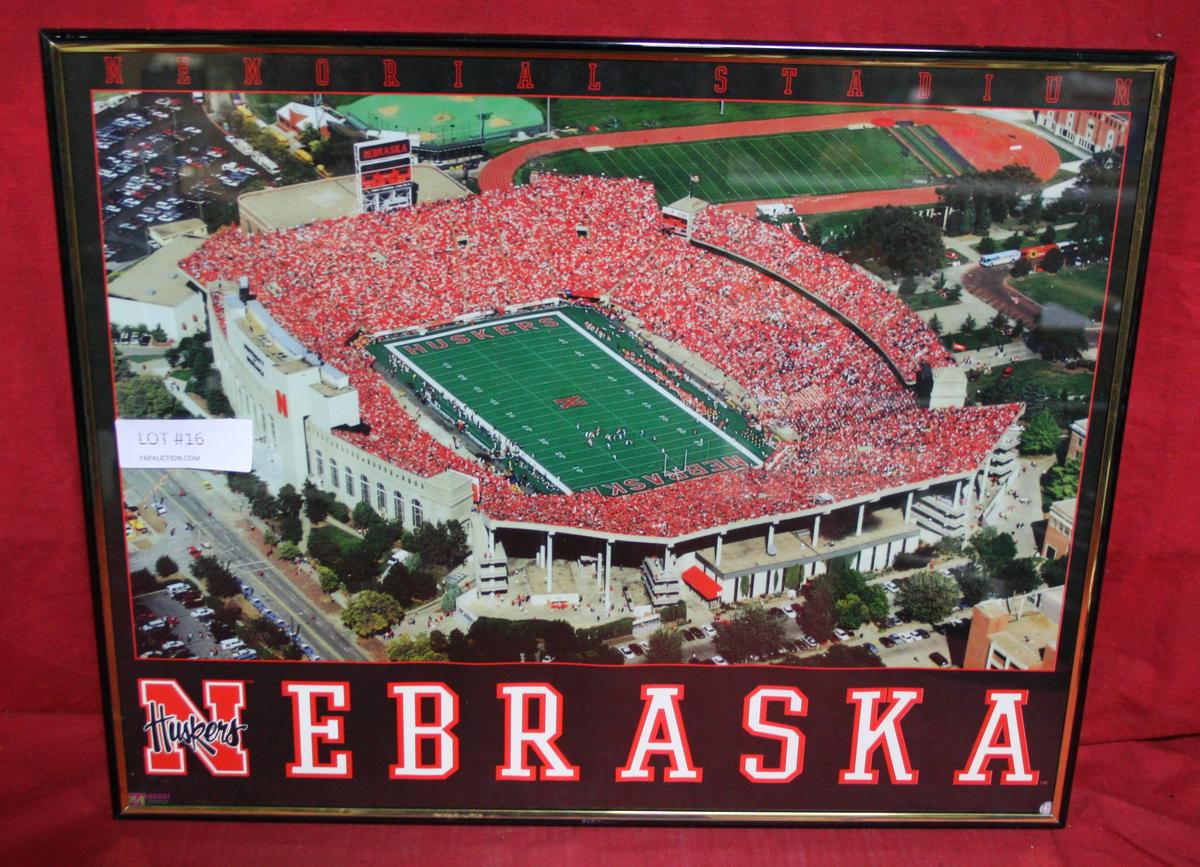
pixel 583 376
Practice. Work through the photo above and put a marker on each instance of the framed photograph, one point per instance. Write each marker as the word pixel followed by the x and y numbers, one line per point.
pixel 598 431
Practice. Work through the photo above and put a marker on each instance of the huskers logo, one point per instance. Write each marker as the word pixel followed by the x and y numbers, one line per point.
pixel 173 723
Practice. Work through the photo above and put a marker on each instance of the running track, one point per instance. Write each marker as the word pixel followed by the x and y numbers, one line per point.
pixel 985 142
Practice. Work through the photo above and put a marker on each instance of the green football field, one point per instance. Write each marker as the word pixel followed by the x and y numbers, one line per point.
pixel 757 167
pixel 544 383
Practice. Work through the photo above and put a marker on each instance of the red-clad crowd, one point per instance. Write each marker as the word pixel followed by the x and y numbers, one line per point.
pixel 857 430
pixel 887 320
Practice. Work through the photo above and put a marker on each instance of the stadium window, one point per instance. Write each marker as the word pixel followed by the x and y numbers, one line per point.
pixel 320 464
pixel 398 506
pixel 380 498
pixel 364 488
pixel 349 481
pixel 333 472
pixel 418 513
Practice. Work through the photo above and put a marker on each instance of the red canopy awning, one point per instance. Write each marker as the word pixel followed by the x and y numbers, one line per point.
pixel 701 583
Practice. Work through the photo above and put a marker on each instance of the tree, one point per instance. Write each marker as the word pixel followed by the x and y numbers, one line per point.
pixel 330 582
pixel 316 503
pixel 364 517
pixel 994 549
pixel 844 656
pixel 450 598
pixel 1021 267
pixel 220 581
pixel 1057 344
pixel 935 324
pixel 1052 261
pixel 928 596
pixel 142 581
pixel 290 529
pixel 986 244
pixel 1048 236
pixel 817 616
pixel 970 324
pixel 416 649
pixel 165 566
pixel 665 645
pixel 1042 434
pixel 1054 572
pixel 750 632
pixel 983 222
pixel 908 243
pixel 288 550
pixel 908 286
pixel 1021 576
pixel 444 543
pixel 973 584
pixel 371 612
pixel 1060 483
pixel 145 396
pixel 408 586
pixel 851 612
pixel 290 500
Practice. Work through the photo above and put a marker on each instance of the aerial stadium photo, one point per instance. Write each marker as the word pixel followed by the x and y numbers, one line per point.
pixel 606 381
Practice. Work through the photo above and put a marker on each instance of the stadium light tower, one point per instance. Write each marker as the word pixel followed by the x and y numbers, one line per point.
pixel 483 119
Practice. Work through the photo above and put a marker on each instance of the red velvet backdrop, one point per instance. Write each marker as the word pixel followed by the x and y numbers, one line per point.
pixel 1133 801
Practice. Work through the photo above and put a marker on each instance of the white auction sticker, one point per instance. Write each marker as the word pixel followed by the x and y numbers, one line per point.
pixel 186 444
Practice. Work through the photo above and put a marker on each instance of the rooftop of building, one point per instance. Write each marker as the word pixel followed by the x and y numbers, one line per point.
pixel 330 198
pixel 158 279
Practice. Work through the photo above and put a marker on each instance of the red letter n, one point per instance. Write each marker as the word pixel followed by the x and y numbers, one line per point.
pixel 173 720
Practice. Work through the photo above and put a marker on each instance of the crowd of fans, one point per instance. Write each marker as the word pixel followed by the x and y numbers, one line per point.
pixel 851 427
pixel 887 320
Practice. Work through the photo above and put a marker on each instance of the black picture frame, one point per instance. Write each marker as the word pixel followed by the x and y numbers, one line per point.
pixel 149 129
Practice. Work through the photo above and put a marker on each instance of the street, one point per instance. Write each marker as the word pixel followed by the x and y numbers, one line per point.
pixel 213 516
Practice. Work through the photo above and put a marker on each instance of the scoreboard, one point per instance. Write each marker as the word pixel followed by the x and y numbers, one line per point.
pixel 384 170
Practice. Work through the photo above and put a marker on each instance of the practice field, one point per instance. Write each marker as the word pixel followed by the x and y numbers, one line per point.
pixel 758 167
pixel 446 119
pixel 545 383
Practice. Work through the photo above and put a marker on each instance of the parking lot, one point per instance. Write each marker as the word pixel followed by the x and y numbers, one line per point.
pixel 160 160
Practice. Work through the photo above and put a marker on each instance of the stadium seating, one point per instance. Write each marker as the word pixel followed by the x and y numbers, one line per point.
pixel 853 428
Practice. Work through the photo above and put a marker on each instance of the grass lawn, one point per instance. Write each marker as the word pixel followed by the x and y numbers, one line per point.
pixel 345 541
pixel 926 301
pixel 623 114
pixel 980 338
pixel 543 381
pixel 1078 289
pixel 1052 376
pixel 183 374
pixel 757 167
